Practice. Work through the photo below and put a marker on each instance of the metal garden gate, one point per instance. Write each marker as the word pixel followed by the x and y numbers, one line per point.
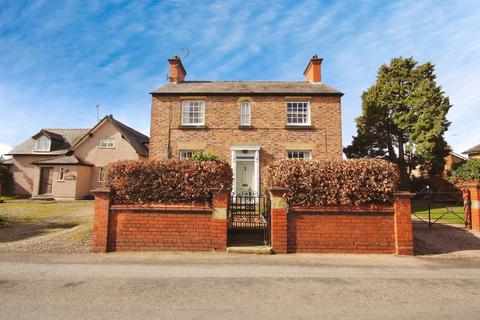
pixel 249 219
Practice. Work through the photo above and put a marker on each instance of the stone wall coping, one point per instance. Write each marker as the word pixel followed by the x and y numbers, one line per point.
pixel 370 209
pixel 103 190
pixel 218 190
pixel 165 207
pixel 403 195
pixel 471 185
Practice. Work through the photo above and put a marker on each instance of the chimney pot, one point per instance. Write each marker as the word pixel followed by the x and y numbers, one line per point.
pixel 313 71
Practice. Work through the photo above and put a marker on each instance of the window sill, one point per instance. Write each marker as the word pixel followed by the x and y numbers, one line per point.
pixel 199 127
pixel 245 127
pixel 302 127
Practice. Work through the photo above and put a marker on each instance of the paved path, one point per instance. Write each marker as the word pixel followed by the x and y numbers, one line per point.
pixel 220 286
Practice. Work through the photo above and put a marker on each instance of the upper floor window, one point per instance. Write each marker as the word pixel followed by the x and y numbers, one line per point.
pixel 43 144
pixel 245 113
pixel 298 113
pixel 107 143
pixel 193 112
pixel 304 155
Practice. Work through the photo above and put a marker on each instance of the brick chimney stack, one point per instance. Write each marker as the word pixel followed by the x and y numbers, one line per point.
pixel 177 71
pixel 313 71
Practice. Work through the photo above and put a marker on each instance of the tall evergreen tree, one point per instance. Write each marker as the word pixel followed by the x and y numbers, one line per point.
pixel 403 119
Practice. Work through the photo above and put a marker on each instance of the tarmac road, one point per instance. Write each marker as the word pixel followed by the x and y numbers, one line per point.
pixel 221 286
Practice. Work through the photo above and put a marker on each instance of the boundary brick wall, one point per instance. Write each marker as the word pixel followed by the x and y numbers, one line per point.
pixel 343 229
pixel 175 227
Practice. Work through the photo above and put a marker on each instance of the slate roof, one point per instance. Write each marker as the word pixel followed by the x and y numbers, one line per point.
pixel 246 87
pixel 70 137
pixel 69 159
pixel 475 149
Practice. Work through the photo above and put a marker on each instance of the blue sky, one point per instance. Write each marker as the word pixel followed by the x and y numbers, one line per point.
pixel 60 58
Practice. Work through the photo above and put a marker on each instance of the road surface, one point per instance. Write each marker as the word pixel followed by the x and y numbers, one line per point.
pixel 221 286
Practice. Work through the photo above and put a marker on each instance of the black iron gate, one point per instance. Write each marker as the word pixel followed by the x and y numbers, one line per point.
pixel 448 207
pixel 248 219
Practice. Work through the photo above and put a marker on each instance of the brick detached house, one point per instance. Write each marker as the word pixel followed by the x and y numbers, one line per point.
pixel 473 153
pixel 248 123
pixel 68 163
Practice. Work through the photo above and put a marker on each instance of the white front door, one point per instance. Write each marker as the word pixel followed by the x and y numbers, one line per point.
pixel 245 171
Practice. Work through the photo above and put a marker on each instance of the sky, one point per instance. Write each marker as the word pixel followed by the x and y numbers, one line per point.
pixel 59 59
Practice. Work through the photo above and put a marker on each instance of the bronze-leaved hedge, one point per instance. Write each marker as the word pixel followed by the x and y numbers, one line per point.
pixel 335 182
pixel 166 181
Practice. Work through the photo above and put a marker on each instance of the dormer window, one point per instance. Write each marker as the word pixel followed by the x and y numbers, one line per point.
pixel 107 143
pixel 43 144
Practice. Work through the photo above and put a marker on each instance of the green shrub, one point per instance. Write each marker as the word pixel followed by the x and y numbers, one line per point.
pixel 166 181
pixel 208 156
pixel 6 177
pixel 466 172
pixel 335 182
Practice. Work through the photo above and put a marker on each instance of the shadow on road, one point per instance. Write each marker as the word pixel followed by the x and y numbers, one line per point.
pixel 442 238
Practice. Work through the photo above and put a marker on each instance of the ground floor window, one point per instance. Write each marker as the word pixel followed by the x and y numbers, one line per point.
pixel 187 154
pixel 294 154
pixel 61 174
pixel 101 174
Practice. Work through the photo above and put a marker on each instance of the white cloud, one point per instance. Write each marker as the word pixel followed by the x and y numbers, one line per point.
pixel 4 148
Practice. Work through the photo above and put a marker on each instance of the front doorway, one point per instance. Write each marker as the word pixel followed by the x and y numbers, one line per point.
pixel 246 171
pixel 46 177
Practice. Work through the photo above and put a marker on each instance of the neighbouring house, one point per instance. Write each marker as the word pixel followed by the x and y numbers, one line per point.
pixel 248 123
pixel 452 159
pixel 68 163
pixel 473 153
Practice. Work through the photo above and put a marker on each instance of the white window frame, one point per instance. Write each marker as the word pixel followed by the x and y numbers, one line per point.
pixel 107 143
pixel 61 174
pixel 308 122
pixel 187 119
pixel 43 145
pixel 101 174
pixel 245 113
pixel 299 154
pixel 187 153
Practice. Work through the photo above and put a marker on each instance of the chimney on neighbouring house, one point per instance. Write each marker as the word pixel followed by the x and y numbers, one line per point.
pixel 177 71
pixel 313 71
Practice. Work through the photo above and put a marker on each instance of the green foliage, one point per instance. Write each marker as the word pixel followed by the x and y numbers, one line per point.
pixel 166 181
pixel 405 112
pixel 6 177
pixel 335 182
pixel 466 172
pixel 208 156
pixel 2 221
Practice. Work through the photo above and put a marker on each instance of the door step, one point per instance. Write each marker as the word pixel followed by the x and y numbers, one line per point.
pixel 250 249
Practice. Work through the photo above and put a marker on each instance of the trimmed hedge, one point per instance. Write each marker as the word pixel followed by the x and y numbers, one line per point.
pixel 335 182
pixel 466 172
pixel 166 181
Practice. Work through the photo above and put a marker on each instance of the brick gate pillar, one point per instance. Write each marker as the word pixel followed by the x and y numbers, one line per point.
pixel 220 199
pixel 474 204
pixel 403 223
pixel 101 216
pixel 278 220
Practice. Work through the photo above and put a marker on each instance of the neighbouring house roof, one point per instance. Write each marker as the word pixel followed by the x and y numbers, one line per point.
pixel 475 149
pixel 64 139
pixel 457 155
pixel 246 88
pixel 136 139
pixel 68 159
pixel 7 162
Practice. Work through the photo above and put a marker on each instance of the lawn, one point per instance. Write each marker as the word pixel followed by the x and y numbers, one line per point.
pixel 22 219
pixel 446 212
